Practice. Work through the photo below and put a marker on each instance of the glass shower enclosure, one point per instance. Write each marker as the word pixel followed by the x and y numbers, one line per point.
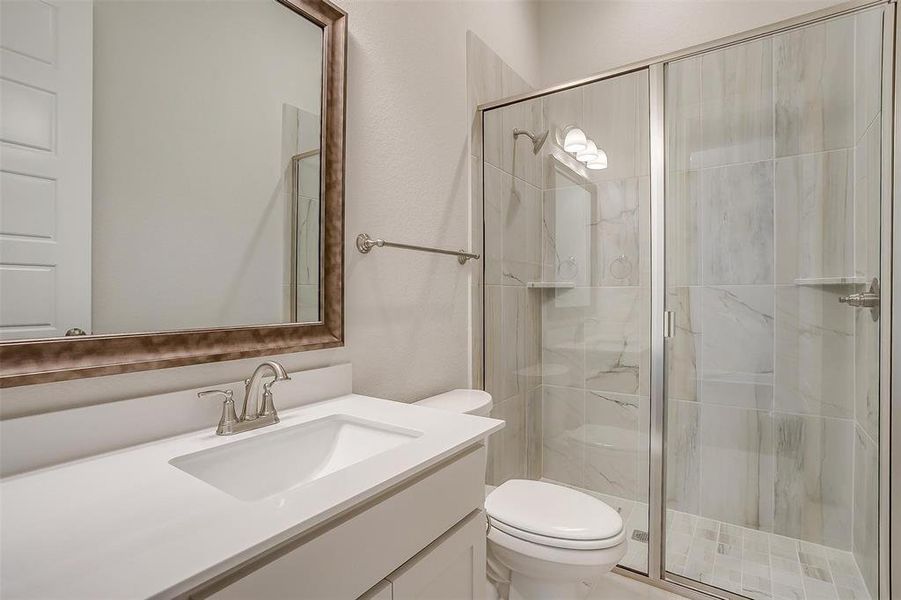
pixel 687 322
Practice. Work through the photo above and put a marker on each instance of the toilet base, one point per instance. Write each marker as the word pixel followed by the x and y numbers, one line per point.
pixel 529 588
pixel 537 572
pixel 491 590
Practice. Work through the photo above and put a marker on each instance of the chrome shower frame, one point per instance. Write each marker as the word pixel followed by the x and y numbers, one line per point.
pixel 890 275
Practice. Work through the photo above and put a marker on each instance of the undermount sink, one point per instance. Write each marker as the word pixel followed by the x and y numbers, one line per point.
pixel 275 462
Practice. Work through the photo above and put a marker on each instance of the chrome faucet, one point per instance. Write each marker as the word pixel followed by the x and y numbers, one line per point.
pixel 257 412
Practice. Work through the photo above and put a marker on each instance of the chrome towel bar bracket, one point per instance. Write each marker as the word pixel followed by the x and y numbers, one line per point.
pixel 365 244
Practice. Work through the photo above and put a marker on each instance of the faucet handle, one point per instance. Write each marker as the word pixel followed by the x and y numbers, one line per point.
pixel 229 418
pixel 227 393
pixel 268 404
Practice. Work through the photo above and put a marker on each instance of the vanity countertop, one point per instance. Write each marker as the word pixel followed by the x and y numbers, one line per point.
pixel 129 524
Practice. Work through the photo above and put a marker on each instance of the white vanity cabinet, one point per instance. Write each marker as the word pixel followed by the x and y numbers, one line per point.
pixel 450 568
pixel 424 539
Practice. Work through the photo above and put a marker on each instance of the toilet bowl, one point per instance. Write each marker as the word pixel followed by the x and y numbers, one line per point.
pixel 555 542
pixel 544 540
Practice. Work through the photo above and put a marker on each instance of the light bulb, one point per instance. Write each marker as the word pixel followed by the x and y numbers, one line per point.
pixel 598 163
pixel 589 153
pixel 574 140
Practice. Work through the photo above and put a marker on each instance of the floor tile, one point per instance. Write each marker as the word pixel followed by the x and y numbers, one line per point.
pixel 756 564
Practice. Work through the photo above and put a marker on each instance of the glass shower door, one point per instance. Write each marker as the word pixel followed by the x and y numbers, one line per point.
pixel 773 188
pixel 567 293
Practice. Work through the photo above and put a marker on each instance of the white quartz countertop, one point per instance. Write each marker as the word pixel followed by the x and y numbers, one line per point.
pixel 129 525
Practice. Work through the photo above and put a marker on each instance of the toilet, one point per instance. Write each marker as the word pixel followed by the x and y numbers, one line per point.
pixel 544 540
pixel 470 402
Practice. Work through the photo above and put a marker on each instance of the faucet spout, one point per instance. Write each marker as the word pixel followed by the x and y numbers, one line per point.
pixel 252 387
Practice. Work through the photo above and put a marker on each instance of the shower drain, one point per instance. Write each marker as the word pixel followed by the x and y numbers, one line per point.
pixel 640 536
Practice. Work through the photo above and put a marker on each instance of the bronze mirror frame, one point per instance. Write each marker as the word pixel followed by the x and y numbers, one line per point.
pixel 58 359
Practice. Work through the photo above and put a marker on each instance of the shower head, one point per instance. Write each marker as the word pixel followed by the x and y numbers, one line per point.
pixel 537 140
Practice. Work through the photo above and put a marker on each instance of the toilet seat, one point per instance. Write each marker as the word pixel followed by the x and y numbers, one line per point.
pixel 546 561
pixel 554 516
pixel 555 542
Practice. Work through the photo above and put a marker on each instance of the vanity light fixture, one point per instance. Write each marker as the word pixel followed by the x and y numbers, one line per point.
pixel 574 141
pixel 585 150
pixel 598 163
pixel 589 154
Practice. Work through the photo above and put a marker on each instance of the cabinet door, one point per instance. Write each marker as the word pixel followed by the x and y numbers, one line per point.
pixel 450 568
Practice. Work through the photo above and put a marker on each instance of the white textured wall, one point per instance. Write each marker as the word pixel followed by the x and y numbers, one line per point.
pixel 579 38
pixel 407 315
pixel 408 180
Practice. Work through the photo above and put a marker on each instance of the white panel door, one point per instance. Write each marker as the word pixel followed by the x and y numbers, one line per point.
pixel 46 57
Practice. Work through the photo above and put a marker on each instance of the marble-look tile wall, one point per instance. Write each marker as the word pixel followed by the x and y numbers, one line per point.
pixel 511 179
pixel 773 190
pixel 594 336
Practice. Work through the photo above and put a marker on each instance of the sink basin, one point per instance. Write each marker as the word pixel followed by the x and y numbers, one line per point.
pixel 267 464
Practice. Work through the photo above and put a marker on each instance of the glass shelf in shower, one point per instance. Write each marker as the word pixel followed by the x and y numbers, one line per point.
pixel 814 281
pixel 551 285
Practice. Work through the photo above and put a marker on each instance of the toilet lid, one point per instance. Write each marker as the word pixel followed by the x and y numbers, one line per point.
pixel 551 511
pixel 555 542
pixel 461 401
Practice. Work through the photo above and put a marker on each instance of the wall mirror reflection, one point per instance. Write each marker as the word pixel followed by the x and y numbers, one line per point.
pixel 160 166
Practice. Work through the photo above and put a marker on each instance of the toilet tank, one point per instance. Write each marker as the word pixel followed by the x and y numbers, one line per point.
pixel 470 402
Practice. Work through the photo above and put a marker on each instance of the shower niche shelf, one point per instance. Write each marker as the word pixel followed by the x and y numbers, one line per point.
pixel 551 285
pixel 816 281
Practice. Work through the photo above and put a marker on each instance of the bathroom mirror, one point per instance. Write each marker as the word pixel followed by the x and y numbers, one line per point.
pixel 172 183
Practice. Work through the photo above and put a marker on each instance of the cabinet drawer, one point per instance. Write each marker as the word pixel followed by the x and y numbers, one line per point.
pixel 352 555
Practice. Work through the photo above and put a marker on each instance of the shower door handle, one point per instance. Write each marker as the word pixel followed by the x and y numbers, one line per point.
pixel 669 324
pixel 868 299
